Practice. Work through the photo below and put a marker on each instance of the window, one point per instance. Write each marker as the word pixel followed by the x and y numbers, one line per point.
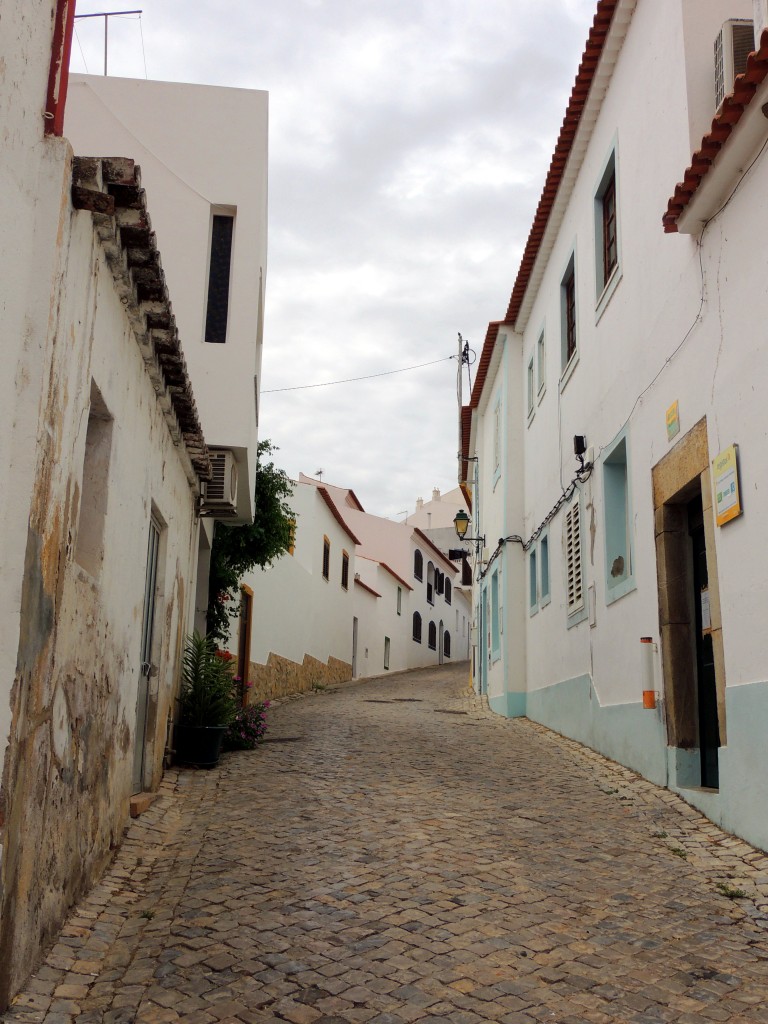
pixel 345 570
pixel 448 589
pixel 533 582
pixel 531 389
pixel 610 257
pixel 386 652
pixel 447 644
pixel 432 637
pixel 606 226
pixel 417 627
pixel 430 583
pixel 544 588
pixel 573 567
pixel 326 558
pixel 568 312
pixel 89 545
pixel 619 571
pixel 497 441
pixel 418 564
pixel 541 363
pixel 399 600
pixel 220 262
pixel 495 617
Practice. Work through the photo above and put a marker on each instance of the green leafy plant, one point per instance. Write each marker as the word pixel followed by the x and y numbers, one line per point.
pixel 207 696
pixel 730 891
pixel 238 549
pixel 678 851
pixel 247 728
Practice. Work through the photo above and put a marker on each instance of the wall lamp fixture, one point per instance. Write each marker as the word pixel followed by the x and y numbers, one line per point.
pixel 461 523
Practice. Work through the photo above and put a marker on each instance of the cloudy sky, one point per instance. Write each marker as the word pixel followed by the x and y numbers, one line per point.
pixel 409 140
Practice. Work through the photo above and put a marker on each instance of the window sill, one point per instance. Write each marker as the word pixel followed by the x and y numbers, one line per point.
pixel 578 616
pixel 567 373
pixel 544 601
pixel 607 292
pixel 542 392
pixel 617 591
pixel 531 414
pixel 533 610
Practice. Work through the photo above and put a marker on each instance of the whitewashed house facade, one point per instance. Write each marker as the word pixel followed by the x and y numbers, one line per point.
pixel 357 596
pixel 203 156
pixel 635 325
pixel 104 470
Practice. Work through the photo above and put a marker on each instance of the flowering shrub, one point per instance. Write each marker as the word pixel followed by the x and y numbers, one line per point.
pixel 247 727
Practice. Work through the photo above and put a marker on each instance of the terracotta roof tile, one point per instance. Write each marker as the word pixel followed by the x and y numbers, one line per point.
pixel 729 114
pixel 359 583
pixel 336 514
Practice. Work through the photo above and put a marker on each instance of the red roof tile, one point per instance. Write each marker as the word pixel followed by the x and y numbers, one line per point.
pixel 589 61
pixel 359 583
pixel 729 114
pixel 336 514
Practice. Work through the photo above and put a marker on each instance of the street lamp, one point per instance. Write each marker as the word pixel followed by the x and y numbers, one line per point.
pixel 461 523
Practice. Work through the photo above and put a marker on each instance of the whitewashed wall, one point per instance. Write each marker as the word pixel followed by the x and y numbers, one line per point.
pixel 683 324
pixel 199 147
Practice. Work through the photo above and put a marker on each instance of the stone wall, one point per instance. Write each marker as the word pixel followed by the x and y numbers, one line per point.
pixel 281 677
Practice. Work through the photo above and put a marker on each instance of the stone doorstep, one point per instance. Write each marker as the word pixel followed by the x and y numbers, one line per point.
pixel 141 802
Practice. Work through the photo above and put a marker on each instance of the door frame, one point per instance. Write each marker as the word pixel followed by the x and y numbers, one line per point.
pixel 682 474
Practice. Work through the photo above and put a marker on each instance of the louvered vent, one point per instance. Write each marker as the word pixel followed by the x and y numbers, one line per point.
pixel 575 586
pixel 734 43
pixel 221 493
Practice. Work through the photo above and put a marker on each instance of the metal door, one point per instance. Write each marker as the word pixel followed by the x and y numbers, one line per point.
pixel 709 728
pixel 145 671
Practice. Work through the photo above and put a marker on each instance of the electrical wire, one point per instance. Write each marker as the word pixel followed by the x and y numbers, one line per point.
pixel 143 50
pixel 350 380
pixel 80 47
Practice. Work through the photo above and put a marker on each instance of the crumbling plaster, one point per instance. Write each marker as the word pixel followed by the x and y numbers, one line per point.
pixel 67 770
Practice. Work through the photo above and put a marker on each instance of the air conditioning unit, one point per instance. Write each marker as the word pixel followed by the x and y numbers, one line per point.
pixel 221 492
pixel 734 43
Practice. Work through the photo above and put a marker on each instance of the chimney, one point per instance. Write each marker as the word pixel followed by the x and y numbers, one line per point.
pixel 419 503
pixel 435 494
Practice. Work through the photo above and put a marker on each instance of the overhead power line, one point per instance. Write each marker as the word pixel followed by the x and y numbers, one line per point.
pixel 350 380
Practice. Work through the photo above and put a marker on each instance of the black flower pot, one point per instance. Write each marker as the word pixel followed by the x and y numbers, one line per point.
pixel 199 745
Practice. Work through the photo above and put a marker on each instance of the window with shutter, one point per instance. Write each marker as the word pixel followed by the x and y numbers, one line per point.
pixel 574 577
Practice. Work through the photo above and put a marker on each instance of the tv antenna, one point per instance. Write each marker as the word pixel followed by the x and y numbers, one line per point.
pixel 106 15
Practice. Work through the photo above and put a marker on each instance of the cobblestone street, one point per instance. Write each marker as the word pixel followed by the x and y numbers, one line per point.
pixel 397 853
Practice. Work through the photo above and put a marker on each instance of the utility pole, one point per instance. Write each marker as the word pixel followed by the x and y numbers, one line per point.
pixel 106 15
pixel 459 392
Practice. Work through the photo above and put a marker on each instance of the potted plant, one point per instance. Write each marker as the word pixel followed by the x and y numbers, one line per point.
pixel 206 702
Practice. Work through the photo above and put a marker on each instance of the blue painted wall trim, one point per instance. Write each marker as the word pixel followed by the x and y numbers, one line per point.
pixel 627 733
pixel 636 738
pixel 510 705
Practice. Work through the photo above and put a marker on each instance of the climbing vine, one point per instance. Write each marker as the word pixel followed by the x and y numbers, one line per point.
pixel 238 549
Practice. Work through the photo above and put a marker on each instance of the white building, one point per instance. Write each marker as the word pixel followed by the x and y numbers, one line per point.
pixel 203 156
pixel 357 596
pixel 103 459
pixel 649 346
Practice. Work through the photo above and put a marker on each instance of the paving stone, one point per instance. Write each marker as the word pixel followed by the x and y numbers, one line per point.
pixel 401 866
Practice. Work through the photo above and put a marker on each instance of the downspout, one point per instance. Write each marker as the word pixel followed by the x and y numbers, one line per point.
pixel 58 75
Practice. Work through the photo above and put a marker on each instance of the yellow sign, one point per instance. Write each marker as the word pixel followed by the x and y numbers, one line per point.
pixel 673 421
pixel 725 477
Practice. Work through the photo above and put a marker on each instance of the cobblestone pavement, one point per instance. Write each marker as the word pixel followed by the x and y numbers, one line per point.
pixel 396 853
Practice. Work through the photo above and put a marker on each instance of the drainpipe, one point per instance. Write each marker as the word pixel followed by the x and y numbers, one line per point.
pixel 58 75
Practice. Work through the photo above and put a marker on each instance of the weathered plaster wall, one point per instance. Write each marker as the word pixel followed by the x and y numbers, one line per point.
pixel 67 773
pixel 27 160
